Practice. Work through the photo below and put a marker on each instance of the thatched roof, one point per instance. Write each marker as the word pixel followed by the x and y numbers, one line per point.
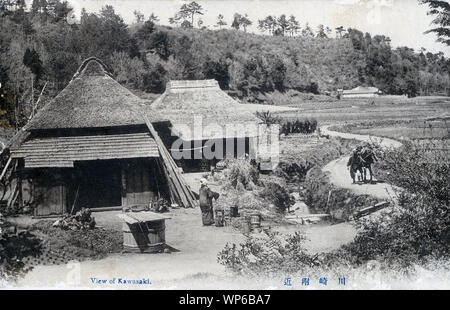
pixel 362 90
pixel 92 99
pixel 183 102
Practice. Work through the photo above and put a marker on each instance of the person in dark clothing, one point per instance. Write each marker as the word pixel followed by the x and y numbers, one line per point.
pixel 206 205
pixel 354 163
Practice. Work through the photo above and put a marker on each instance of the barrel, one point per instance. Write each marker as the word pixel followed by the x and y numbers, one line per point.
pixel 218 218
pixel 144 237
pixel 156 231
pixel 132 239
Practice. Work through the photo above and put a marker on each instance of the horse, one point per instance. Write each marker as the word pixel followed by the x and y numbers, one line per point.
pixel 368 157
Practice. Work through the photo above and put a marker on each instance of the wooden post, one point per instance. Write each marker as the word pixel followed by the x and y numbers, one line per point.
pixel 124 183
pixel 5 168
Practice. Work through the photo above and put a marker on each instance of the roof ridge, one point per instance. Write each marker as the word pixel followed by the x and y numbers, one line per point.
pixel 187 84
pixel 85 64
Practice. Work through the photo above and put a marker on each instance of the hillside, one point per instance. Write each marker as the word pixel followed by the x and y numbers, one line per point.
pixel 39 47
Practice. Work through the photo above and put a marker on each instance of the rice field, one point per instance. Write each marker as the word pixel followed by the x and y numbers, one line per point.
pixel 372 111
pixel 401 129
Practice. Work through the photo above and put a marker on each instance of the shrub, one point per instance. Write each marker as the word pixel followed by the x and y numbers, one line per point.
pixel 413 233
pixel 421 168
pixel 305 126
pixel 418 228
pixel 270 253
pixel 13 248
pixel 93 243
pixel 241 173
pixel 268 118
pixel 278 196
pixel 323 197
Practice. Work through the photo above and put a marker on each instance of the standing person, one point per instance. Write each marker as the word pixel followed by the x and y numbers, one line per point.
pixel 206 205
pixel 354 163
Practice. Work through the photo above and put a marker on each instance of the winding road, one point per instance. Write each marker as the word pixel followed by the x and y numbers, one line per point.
pixel 195 264
pixel 340 176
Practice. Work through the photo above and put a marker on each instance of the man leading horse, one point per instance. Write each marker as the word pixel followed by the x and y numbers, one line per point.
pixel 361 160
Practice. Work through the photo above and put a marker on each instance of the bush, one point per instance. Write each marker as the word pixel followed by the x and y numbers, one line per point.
pixel 268 118
pixel 410 234
pixel 270 253
pixel 241 173
pixel 305 126
pixel 278 196
pixel 340 203
pixel 418 228
pixel 421 168
pixel 13 248
pixel 296 161
pixel 86 244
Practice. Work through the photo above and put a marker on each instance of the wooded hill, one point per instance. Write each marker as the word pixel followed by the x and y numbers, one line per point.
pixel 41 45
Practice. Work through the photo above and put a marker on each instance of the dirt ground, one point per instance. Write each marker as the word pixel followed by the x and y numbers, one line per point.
pixel 195 247
pixel 194 257
pixel 195 266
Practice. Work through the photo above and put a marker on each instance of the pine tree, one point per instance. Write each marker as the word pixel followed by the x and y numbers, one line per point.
pixel 441 11
pixel 220 21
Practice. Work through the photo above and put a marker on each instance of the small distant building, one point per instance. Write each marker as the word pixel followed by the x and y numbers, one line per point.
pixel 361 92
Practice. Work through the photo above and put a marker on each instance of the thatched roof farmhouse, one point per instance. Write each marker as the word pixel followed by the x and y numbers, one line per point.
pixel 98 145
pixel 184 101
pixel 199 111
pixel 94 146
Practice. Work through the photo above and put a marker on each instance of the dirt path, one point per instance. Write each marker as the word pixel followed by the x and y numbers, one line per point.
pixel 195 265
pixel 340 176
pixel 384 142
pixel 195 256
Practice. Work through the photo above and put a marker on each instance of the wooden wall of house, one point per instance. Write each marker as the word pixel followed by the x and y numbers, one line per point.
pixel 45 190
pixel 96 184
pixel 142 181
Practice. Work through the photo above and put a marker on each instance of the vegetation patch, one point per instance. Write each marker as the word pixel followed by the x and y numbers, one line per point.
pixel 323 197
pixel 411 129
pixel 243 187
pixel 418 229
pixel 81 244
pixel 14 247
pixel 278 196
pixel 299 154
pixel 267 254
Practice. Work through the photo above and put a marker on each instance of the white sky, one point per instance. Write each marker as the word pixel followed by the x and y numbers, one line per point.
pixel 404 21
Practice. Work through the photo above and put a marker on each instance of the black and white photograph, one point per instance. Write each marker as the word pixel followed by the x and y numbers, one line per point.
pixel 266 145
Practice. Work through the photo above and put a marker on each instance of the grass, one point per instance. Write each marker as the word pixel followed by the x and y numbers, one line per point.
pixel 377 109
pixel 400 129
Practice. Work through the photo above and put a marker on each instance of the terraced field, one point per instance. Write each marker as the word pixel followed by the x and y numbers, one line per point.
pixel 371 110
